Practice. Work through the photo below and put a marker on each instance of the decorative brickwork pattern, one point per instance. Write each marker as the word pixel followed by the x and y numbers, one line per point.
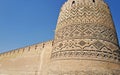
pixel 85 13
pixel 81 49
pixel 86 31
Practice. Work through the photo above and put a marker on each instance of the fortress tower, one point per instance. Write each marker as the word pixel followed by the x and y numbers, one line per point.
pixel 85 40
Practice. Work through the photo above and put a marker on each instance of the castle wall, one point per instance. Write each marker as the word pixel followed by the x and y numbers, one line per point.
pixel 25 61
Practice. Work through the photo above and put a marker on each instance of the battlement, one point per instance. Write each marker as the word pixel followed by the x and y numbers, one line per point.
pixel 25 61
pixel 25 51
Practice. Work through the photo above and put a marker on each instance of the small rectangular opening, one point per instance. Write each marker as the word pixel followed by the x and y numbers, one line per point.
pixel 94 1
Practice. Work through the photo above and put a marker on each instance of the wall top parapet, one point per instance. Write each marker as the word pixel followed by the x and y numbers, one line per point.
pixel 26 48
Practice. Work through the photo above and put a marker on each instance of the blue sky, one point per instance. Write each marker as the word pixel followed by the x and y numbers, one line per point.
pixel 27 22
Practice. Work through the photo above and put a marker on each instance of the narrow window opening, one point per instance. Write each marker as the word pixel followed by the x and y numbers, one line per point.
pixel 73 2
pixel 94 1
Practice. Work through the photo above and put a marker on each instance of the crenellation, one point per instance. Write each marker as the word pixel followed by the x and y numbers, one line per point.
pixel 36 48
pixel 39 48
pixel 26 58
pixel 32 48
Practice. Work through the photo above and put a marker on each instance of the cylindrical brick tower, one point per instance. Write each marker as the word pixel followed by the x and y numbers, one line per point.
pixel 85 40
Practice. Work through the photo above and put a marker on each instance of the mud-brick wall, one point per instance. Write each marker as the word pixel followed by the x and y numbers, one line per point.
pixel 25 61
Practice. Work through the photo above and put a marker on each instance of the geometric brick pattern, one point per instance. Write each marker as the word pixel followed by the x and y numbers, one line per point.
pixel 85 49
pixel 86 31
pixel 84 13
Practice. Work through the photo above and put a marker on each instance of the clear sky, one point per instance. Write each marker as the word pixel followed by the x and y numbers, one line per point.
pixel 27 22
